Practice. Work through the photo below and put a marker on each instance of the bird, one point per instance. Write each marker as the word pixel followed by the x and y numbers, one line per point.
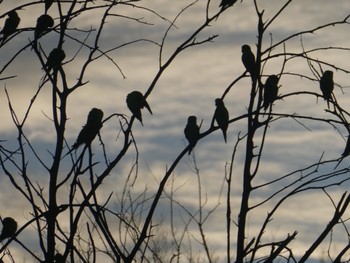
pixel 11 24
pixel 48 4
pixel 221 116
pixel 191 132
pixel 248 60
pixel 327 85
pixel 270 90
pixel 135 102
pixel 227 3
pixel 43 23
pixel 91 128
pixel 55 59
pixel 9 228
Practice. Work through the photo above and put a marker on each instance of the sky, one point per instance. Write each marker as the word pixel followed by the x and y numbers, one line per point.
pixel 189 86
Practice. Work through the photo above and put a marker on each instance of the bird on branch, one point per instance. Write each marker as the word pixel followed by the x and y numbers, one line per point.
pixel 249 63
pixel 91 128
pixel 10 26
pixel 135 102
pixel 270 91
pixel 54 60
pixel 43 24
pixel 327 85
pixel 192 132
pixel 9 228
pixel 221 116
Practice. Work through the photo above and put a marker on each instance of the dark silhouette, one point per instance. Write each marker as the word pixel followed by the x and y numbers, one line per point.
pixel 9 228
pixel 221 116
pixel 136 101
pixel 48 4
pixel 43 23
pixel 270 91
pixel 192 132
pixel 55 59
pixel 347 148
pixel 327 85
pixel 248 60
pixel 91 128
pixel 226 3
pixel 59 258
pixel 10 25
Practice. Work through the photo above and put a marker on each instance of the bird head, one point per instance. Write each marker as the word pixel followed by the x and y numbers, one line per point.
pixel 246 48
pixel 328 74
pixel 192 119
pixel 273 80
pixel 13 13
pixel 46 20
pixel 136 93
pixel 95 115
pixel 218 102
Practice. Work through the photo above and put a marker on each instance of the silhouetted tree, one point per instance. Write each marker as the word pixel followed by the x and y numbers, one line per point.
pixel 70 206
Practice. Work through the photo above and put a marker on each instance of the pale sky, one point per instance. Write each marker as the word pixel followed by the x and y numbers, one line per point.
pixel 189 87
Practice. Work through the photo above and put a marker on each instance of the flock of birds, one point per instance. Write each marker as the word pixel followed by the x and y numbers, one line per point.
pixel 136 100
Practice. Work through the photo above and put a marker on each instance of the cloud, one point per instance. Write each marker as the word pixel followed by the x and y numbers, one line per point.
pixel 189 87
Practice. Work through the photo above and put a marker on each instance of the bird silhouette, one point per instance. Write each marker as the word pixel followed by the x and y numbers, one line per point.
pixel 327 85
pixel 43 23
pixel 248 60
pixel 192 132
pixel 9 228
pixel 55 59
pixel 270 90
pixel 11 24
pixel 135 102
pixel 221 116
pixel 91 128
pixel 48 4
pixel 226 3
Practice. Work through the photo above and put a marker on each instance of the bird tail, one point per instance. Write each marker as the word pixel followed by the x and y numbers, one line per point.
pixel 225 137
pixel 148 107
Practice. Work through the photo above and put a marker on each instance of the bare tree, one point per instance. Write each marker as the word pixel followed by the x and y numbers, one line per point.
pixel 77 220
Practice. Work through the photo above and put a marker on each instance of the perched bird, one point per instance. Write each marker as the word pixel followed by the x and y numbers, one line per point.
pixel 192 132
pixel 226 3
pixel 55 59
pixel 10 25
pixel 270 90
pixel 48 4
pixel 221 116
pixel 9 228
pixel 327 85
pixel 43 23
pixel 91 128
pixel 135 102
pixel 248 60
